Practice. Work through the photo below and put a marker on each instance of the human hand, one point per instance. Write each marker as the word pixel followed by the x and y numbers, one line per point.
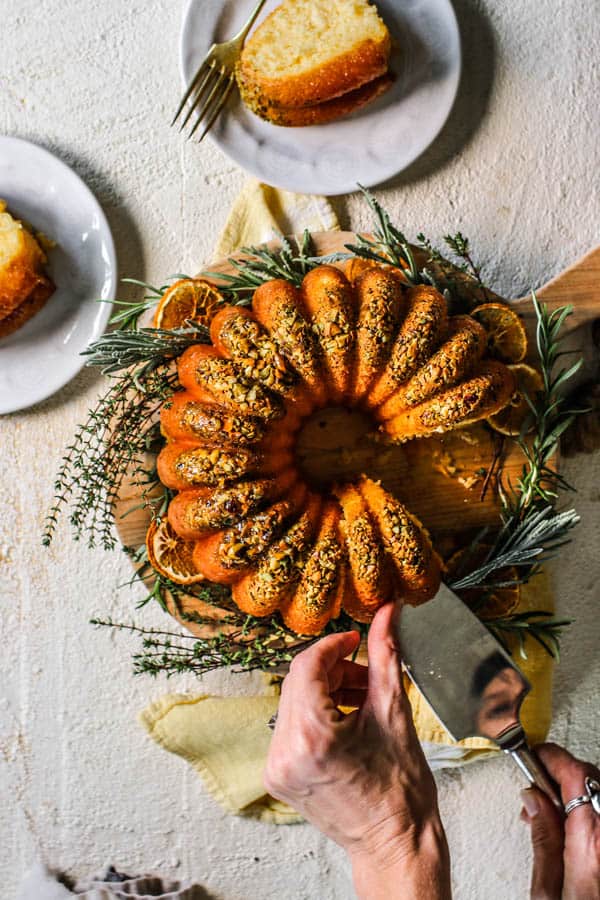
pixel 566 852
pixel 361 779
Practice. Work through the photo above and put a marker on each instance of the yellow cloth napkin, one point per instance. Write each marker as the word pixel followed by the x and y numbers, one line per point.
pixel 226 739
pixel 262 212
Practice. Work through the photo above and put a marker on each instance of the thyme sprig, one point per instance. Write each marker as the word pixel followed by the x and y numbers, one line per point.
pixel 460 283
pixel 248 644
pixel 117 441
pixel 172 653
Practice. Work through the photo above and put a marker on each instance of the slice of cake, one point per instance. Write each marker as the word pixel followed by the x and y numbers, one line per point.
pixel 308 52
pixel 24 285
pixel 320 113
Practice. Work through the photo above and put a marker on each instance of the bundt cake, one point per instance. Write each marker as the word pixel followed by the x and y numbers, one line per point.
pixel 370 341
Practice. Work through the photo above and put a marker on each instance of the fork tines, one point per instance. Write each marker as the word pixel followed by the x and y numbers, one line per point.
pixel 207 94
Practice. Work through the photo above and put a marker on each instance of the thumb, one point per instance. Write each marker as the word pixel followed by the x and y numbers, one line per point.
pixel 547 841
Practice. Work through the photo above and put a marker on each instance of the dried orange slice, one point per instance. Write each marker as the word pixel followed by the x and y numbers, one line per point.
pixel 169 555
pixel 488 604
pixel 507 339
pixel 187 299
pixel 511 419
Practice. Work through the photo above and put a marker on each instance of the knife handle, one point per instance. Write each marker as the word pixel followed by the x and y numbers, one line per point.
pixel 531 765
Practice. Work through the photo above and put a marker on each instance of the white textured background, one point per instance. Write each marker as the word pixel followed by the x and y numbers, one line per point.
pixel 517 169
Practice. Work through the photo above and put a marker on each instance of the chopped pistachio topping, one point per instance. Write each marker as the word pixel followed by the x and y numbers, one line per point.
pixel 256 354
pixel 335 330
pixel 403 539
pixel 219 426
pixel 249 539
pixel 450 364
pixel 283 563
pixel 471 398
pixel 418 337
pixel 364 551
pixel 226 507
pixel 213 466
pixel 321 573
pixel 225 381
pixel 296 341
pixel 377 325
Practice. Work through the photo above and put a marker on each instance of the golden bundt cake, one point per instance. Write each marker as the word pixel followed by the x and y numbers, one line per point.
pixel 369 582
pixel 265 588
pixel 329 307
pixel 225 555
pixel 380 305
pixel 318 595
pixel 369 340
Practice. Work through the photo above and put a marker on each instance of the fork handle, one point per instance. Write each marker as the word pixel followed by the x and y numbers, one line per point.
pixel 242 34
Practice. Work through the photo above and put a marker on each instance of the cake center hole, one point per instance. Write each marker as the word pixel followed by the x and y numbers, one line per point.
pixel 336 444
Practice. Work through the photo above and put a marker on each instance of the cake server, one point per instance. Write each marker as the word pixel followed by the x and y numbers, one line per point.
pixel 471 683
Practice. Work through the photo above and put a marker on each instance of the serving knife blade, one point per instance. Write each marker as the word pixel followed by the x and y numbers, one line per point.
pixel 467 678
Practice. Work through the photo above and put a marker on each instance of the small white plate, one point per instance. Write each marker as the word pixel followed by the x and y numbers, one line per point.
pixel 370 146
pixel 44 354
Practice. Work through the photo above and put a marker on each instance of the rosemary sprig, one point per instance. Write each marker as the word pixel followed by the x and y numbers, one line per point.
pixel 119 350
pixel 531 531
pixel 390 246
pixel 127 318
pixel 259 264
pixel 521 543
pixel 540 625
pixel 550 417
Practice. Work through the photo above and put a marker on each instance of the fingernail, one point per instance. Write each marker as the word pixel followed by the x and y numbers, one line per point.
pixel 530 802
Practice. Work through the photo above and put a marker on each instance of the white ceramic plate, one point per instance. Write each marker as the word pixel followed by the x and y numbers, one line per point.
pixel 41 357
pixel 370 146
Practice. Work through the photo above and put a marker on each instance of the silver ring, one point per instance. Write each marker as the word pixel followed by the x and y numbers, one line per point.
pixel 592 796
pixel 272 722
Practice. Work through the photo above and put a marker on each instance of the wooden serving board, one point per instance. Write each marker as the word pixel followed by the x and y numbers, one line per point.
pixel 440 479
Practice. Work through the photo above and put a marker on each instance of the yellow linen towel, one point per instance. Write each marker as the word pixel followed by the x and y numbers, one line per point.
pixel 226 739
pixel 262 212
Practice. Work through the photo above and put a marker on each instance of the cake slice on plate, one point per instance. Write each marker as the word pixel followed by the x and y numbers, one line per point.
pixel 24 285
pixel 308 53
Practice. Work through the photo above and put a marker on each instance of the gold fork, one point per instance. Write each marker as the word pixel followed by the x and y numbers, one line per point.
pixel 214 80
